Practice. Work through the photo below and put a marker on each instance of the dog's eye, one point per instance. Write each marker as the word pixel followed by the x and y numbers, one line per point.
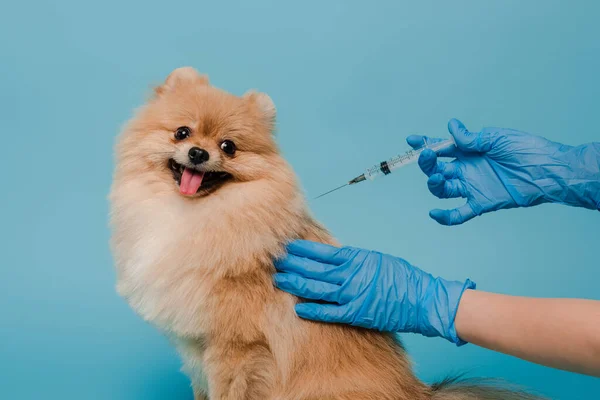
pixel 182 132
pixel 228 147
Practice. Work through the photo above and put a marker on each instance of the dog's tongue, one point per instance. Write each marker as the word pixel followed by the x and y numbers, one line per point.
pixel 190 181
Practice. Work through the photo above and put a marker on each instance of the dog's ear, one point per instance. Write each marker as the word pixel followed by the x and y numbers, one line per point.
pixel 179 77
pixel 262 104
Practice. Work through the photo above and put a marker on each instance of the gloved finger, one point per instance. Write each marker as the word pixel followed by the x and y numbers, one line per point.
pixel 457 216
pixel 442 188
pixel 469 141
pixel 418 141
pixel 321 252
pixel 307 288
pixel 323 312
pixel 450 170
pixel 428 162
pixel 312 269
pixel 430 165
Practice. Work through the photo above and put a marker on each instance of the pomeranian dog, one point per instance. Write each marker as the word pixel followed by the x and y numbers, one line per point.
pixel 201 204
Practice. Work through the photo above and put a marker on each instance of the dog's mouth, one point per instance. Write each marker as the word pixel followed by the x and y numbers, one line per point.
pixel 191 181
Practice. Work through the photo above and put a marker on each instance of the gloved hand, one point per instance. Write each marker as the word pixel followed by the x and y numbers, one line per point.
pixel 369 289
pixel 503 168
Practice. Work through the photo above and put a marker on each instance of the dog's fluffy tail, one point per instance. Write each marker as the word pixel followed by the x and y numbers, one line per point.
pixel 460 388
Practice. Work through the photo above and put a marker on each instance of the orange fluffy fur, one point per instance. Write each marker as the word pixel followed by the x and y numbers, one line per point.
pixel 200 268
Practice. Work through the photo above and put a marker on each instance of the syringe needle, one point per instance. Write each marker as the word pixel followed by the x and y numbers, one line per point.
pixel 385 167
pixel 333 190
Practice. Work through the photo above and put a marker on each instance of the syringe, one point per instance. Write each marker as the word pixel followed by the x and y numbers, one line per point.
pixel 399 161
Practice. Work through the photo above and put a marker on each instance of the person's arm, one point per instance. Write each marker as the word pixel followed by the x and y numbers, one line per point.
pixel 559 333
pixel 379 291
pixel 501 168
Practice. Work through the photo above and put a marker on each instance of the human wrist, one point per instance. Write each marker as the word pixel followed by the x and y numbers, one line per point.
pixel 439 305
pixel 466 316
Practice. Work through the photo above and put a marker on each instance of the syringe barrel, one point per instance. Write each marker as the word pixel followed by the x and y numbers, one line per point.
pixel 444 144
pixel 411 156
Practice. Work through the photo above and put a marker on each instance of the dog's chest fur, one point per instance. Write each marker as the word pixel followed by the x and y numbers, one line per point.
pixel 172 253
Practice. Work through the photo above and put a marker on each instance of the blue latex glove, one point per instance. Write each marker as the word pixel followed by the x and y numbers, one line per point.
pixel 369 289
pixel 503 168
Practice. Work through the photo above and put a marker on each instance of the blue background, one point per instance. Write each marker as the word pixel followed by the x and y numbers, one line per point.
pixel 350 80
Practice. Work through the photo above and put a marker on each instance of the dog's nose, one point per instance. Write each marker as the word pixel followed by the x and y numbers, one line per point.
pixel 198 155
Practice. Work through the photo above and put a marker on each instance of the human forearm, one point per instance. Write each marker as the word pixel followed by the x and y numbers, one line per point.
pixel 560 333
